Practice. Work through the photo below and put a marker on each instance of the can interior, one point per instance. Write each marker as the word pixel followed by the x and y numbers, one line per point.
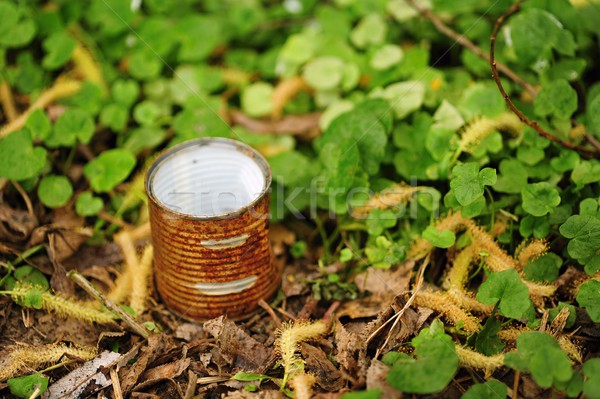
pixel 207 179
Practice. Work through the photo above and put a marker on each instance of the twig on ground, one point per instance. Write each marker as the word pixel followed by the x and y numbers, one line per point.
pixel 26 199
pixel 93 291
pixel 263 304
pixel 495 66
pixel 114 377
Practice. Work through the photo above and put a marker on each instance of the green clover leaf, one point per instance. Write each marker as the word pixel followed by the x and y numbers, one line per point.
pixel 584 234
pixel 589 298
pixel 539 199
pixel 488 389
pixel 109 169
pixel 468 182
pixel 557 98
pixel 506 288
pixel 439 239
pixel 19 159
pixel 25 386
pixel 539 354
pixel 88 205
pixel 435 364
pixel 55 191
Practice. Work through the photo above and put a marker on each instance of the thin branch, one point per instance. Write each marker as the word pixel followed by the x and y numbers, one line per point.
pixel 495 66
pixel 113 307
pixel 468 44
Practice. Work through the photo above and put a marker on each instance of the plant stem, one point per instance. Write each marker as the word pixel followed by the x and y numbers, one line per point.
pixel 495 66
pixel 469 45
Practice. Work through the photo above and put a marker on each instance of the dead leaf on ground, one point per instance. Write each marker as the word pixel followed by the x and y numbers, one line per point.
pixel 376 379
pixel 350 353
pixel 386 282
pixel 95 255
pixel 162 372
pixel 383 285
pixel 328 377
pixel 85 380
pixel 156 346
pixel 189 332
pixel 16 225
pixel 241 350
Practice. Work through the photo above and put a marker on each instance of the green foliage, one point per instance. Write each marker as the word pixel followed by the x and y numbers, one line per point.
pixel 543 269
pixel 539 199
pixel 24 387
pixel 391 113
pixel 55 191
pixel 539 354
pixel 557 98
pixel 589 298
pixel 468 182
pixel 534 33
pixel 583 231
pixel 368 394
pixel 489 389
pixel 440 239
pixel 109 169
pixel 19 159
pixel 591 386
pixel 88 205
pixel 506 289
pixel 58 47
pixel 432 369
pixel 383 254
pixel 256 99
pixel 487 341
pixel 74 124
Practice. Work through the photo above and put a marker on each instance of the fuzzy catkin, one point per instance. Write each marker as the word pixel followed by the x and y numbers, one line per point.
pixel 64 307
pixel 302 384
pixel 24 358
pixel 393 196
pixel 289 337
pixel 478 361
pixel 530 251
pixel 441 302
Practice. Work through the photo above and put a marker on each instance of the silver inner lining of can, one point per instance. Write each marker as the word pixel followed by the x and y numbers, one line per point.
pixel 207 180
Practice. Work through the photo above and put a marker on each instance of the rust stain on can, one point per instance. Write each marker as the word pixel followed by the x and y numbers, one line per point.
pixel 209 217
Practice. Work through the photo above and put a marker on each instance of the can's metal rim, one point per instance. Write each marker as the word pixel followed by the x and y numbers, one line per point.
pixel 237 145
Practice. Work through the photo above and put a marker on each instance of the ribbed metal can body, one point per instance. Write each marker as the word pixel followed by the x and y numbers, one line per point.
pixel 210 262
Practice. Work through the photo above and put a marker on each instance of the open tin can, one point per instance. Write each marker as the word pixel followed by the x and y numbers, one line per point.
pixel 209 217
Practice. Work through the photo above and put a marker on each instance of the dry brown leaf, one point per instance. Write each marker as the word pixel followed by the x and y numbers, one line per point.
pixel 240 350
pixel 15 225
pixel 85 380
pixel 327 376
pixel 376 379
pixel 156 346
pixel 162 372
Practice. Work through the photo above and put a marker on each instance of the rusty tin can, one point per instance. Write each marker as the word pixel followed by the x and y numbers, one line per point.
pixel 209 216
